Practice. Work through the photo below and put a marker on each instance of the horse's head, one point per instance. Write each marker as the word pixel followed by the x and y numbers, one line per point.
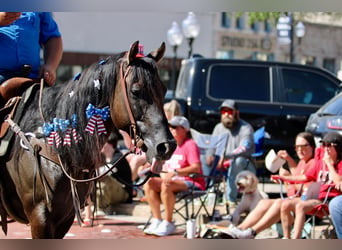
pixel 137 105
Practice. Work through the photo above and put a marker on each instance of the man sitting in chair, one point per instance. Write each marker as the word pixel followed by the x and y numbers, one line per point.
pixel 175 178
pixel 240 146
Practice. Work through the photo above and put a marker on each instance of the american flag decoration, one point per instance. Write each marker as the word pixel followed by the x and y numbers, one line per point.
pixel 96 118
pixel 72 132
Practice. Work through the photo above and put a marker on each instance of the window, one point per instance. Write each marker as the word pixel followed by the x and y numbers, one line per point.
pixel 329 64
pixel 255 26
pixel 239 82
pixel 240 23
pixel 225 20
pixel 268 26
pixel 306 87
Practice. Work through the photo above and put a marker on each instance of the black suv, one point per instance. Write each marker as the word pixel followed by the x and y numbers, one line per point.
pixel 279 96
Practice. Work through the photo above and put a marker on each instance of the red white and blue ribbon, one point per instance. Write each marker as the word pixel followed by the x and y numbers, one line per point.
pixel 72 132
pixel 96 118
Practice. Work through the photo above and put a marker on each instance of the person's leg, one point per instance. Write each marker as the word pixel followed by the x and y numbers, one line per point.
pixel 286 210
pixel 239 164
pixel 302 208
pixel 168 196
pixel 335 208
pixel 256 214
pixel 271 216
pixel 152 191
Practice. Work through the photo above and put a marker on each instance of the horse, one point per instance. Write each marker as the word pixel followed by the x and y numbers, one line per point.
pixel 71 121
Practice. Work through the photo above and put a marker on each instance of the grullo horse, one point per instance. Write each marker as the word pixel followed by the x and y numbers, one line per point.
pixel 59 131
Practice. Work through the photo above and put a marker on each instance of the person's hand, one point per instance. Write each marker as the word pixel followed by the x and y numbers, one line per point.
pixel 283 154
pixel 210 160
pixel 338 186
pixel 277 178
pixel 6 18
pixel 328 160
pixel 167 178
pixel 49 75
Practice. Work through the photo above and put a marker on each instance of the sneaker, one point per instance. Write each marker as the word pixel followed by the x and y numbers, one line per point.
pixel 248 233
pixel 153 226
pixel 165 228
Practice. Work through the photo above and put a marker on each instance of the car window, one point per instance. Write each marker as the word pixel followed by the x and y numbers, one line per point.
pixel 334 106
pixel 307 87
pixel 239 82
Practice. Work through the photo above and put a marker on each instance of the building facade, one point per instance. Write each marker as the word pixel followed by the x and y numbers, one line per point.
pixel 89 37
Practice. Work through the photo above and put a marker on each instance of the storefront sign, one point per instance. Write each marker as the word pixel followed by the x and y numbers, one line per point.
pixel 251 42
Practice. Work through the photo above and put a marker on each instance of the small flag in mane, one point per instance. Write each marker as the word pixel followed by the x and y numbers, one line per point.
pixel 96 117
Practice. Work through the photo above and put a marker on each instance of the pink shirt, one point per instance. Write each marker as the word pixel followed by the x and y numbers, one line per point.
pixel 185 155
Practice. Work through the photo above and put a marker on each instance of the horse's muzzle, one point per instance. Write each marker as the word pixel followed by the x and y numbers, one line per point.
pixel 165 149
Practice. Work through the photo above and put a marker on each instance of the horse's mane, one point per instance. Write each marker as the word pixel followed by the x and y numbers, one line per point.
pixel 58 102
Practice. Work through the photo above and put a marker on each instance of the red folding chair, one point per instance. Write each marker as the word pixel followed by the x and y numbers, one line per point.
pixel 320 212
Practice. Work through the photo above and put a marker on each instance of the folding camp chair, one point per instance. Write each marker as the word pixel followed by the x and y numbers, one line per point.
pixel 189 204
pixel 213 180
pixel 320 212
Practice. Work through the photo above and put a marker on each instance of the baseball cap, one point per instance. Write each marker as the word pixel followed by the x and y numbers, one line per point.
pixel 180 121
pixel 333 137
pixel 229 104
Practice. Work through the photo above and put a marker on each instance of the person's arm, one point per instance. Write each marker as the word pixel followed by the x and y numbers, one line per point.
pixel 335 177
pixel 290 161
pixel 6 18
pixel 53 51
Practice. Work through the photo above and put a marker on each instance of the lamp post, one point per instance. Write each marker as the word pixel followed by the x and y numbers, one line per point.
pixel 287 30
pixel 191 29
pixel 174 38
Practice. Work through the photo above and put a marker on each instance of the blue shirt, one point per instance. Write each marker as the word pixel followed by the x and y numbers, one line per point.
pixel 20 42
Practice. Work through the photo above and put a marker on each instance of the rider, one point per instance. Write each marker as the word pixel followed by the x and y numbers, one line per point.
pixel 22 35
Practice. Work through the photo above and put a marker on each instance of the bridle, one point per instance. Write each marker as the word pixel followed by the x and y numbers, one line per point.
pixel 137 140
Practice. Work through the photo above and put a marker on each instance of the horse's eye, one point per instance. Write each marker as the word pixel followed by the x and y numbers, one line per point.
pixel 136 88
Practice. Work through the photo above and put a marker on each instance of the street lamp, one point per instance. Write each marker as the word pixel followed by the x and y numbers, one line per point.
pixel 191 29
pixel 286 31
pixel 174 38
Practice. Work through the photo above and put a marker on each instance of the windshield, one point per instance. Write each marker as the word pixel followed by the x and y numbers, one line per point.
pixel 333 107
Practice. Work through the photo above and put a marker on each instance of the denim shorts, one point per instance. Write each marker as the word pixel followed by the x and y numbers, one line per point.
pixel 191 184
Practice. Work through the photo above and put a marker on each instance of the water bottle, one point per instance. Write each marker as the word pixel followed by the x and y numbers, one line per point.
pixel 211 199
pixel 303 197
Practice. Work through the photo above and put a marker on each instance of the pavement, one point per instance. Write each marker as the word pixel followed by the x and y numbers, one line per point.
pixel 128 220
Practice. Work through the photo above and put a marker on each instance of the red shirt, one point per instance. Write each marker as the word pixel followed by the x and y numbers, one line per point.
pixel 301 169
pixel 185 155
pixel 320 173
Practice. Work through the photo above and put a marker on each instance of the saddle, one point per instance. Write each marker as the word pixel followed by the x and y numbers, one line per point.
pixel 10 92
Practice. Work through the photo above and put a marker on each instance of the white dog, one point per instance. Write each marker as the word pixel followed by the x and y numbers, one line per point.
pixel 247 184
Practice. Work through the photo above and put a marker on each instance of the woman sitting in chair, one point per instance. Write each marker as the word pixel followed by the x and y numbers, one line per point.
pixel 327 171
pixel 175 178
pixel 267 211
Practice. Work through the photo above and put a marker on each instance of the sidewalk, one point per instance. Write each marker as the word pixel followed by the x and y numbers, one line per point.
pixel 140 212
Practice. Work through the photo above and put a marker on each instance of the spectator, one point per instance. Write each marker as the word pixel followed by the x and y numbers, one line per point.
pixel 267 212
pixel 240 146
pixel 22 34
pixel 335 208
pixel 117 186
pixel 327 171
pixel 175 178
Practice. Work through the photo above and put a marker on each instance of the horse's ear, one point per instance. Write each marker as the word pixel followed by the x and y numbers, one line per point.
pixel 133 51
pixel 158 54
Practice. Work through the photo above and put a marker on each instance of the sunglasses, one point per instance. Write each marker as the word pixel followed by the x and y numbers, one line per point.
pixel 227 112
pixel 301 146
pixel 174 127
pixel 328 144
